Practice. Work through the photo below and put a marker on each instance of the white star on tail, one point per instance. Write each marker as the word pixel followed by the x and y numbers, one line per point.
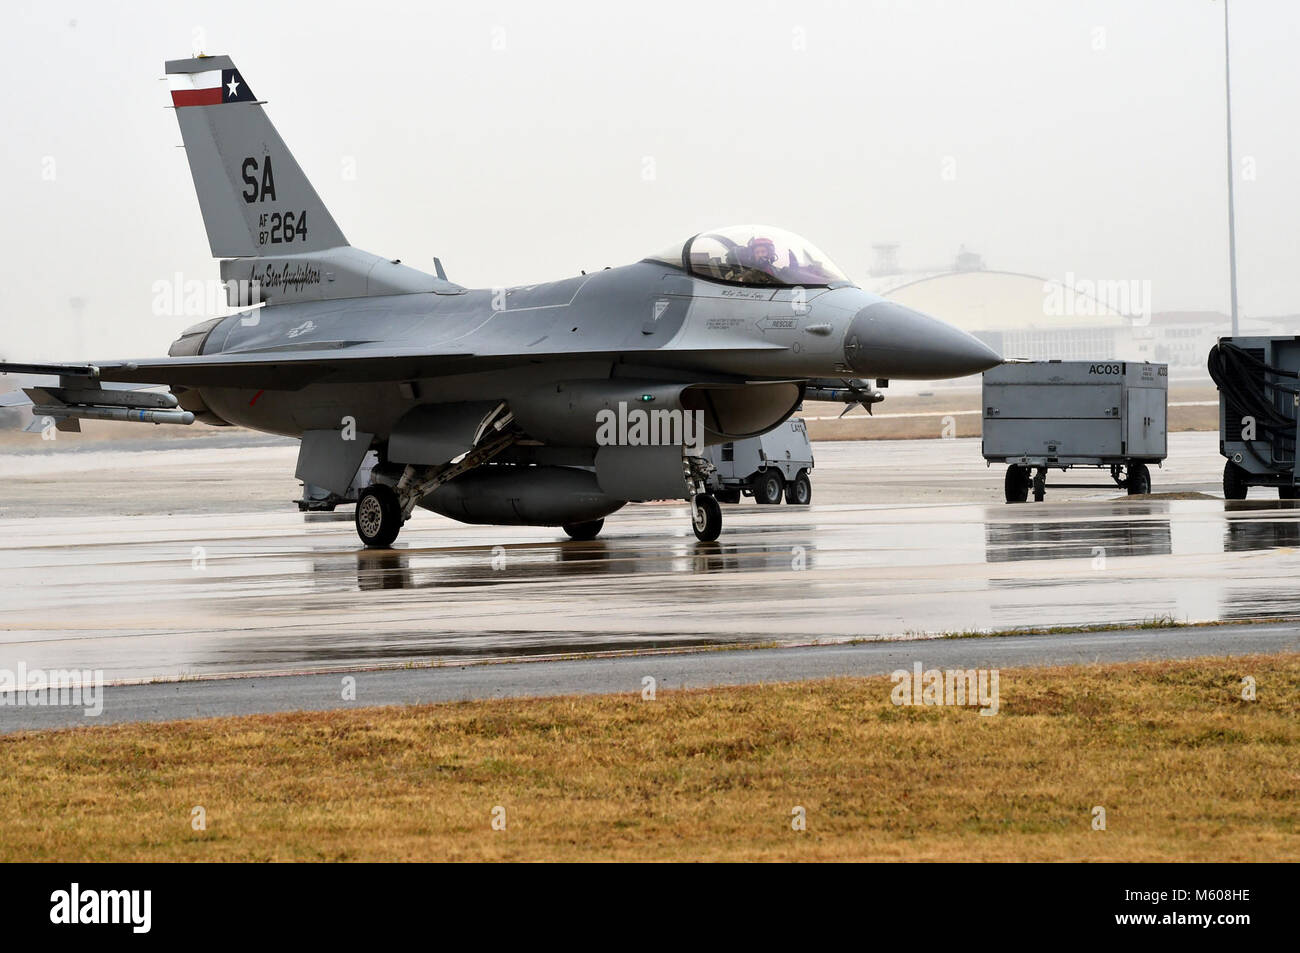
pixel 233 86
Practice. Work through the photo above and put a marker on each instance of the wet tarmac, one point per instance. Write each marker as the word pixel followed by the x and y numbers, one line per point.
pixel 627 674
pixel 191 562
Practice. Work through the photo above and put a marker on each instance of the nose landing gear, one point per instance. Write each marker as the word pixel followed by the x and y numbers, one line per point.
pixel 706 514
pixel 706 518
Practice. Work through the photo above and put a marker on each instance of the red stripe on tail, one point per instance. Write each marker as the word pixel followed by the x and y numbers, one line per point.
pixel 197 97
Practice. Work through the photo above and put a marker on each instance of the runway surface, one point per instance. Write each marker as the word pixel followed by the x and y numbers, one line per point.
pixel 186 562
pixel 626 674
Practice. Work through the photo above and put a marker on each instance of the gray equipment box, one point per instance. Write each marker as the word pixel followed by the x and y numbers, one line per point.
pixel 1258 397
pixel 1041 415
pixel 767 467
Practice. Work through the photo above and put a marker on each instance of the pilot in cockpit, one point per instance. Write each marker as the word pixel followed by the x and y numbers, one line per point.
pixel 762 254
pixel 758 254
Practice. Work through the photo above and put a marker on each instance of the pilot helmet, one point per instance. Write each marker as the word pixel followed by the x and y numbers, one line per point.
pixel 758 241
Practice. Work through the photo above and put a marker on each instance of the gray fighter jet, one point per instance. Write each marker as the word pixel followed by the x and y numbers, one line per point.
pixel 545 405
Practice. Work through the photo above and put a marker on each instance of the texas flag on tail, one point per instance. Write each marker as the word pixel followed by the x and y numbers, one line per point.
pixel 209 88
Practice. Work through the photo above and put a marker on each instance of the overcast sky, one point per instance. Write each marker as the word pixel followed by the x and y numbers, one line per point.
pixel 524 141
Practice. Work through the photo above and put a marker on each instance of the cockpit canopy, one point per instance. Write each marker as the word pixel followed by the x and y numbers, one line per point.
pixel 753 255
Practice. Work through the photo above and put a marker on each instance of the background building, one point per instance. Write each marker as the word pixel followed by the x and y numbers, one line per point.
pixel 1036 318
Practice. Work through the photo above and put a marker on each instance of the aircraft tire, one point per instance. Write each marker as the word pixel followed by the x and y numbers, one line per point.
pixel 584 531
pixel 378 516
pixel 706 518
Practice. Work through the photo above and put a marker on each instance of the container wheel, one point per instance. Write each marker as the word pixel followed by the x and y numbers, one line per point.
pixel 799 493
pixel 768 487
pixel 1016 484
pixel 1235 486
pixel 1139 479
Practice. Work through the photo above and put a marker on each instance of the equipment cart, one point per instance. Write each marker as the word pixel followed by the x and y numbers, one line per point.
pixel 1259 391
pixel 1047 415
pixel 767 467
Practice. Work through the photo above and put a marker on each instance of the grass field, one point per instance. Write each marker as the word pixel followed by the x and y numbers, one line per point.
pixel 1184 767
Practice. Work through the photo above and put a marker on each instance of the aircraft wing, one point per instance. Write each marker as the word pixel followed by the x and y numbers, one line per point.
pixel 295 369
pixel 269 370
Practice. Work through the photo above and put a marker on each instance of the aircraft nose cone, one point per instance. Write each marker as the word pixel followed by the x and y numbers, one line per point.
pixel 888 340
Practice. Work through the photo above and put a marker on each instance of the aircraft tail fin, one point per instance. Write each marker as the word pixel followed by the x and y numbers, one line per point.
pixel 279 243
pixel 255 199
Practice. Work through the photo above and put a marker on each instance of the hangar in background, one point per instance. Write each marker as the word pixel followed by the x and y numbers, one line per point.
pixel 1019 315
pixel 1028 316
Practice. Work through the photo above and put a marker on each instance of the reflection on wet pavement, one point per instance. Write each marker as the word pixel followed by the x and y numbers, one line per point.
pixel 199 594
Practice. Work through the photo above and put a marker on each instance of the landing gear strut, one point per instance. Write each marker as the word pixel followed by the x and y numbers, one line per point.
pixel 382 509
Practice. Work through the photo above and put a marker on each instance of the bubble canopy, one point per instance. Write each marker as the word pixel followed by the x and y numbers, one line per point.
pixel 753 255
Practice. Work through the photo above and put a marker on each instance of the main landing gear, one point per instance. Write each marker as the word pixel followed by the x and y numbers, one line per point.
pixel 382 509
pixel 379 516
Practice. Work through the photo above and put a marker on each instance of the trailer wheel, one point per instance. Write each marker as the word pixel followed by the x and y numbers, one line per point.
pixel 378 516
pixel 706 518
pixel 584 531
pixel 799 493
pixel 1139 479
pixel 768 487
pixel 1016 484
pixel 1235 486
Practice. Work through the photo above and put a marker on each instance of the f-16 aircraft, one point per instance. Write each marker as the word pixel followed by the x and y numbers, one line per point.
pixel 536 405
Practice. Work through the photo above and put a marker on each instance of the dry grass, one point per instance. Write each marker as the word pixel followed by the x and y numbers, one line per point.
pixel 1185 769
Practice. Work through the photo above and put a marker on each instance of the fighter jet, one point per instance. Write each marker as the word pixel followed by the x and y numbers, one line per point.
pixel 542 405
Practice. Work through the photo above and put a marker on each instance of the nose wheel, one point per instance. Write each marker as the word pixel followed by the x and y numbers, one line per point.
pixel 706 518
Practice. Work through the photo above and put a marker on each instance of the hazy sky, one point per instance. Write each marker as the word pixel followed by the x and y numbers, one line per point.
pixel 525 141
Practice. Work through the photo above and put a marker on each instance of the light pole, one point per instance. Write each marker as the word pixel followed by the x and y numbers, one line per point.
pixel 1232 223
